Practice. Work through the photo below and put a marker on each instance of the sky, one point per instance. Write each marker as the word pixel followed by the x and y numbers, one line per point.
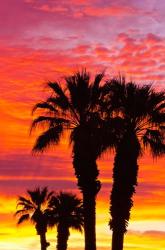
pixel 42 40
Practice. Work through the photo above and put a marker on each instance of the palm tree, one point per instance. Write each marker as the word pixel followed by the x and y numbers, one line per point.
pixel 34 208
pixel 142 112
pixel 74 107
pixel 65 212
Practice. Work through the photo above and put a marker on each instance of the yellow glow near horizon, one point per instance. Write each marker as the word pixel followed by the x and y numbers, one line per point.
pixel 141 230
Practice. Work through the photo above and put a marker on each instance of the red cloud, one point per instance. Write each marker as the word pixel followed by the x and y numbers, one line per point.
pixel 100 50
pixel 152 39
pixel 110 11
pixel 81 49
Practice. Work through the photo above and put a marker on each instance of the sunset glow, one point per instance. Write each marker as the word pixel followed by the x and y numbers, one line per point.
pixel 43 40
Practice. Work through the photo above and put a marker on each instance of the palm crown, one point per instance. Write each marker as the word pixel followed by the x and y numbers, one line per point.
pixel 69 107
pixel 143 112
pixel 66 208
pixel 34 208
pixel 65 211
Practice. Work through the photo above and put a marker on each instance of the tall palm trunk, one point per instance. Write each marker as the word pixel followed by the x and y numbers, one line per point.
pixel 89 186
pixel 44 243
pixel 125 179
pixel 89 221
pixel 62 236
pixel 86 171
pixel 117 240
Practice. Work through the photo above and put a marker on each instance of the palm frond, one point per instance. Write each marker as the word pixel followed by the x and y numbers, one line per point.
pixel 156 100
pixel 26 207
pixel 60 103
pixel 50 195
pixel 96 90
pixel 48 138
pixel 35 196
pixel 161 106
pixel 78 226
pixel 23 218
pixel 23 201
pixel 45 106
pixel 155 140
pixel 158 118
pixel 98 79
pixel 55 86
pixel 41 120
pixel 48 121
pixel 43 195
pixel 78 86
pixel 21 211
pixel 59 98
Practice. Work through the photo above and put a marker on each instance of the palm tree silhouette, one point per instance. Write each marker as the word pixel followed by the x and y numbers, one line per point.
pixel 65 212
pixel 142 111
pixel 34 208
pixel 74 107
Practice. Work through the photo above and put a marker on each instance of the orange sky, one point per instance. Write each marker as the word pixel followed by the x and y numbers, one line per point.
pixel 44 40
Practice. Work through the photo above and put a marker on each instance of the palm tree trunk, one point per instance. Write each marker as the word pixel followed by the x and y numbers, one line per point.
pixel 86 173
pixel 44 243
pixel 89 221
pixel 124 182
pixel 62 236
pixel 117 240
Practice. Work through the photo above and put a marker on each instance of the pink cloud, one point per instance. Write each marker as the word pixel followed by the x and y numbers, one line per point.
pixel 90 8
pixel 48 8
pixel 152 39
pixel 81 49
pixel 154 233
pixel 100 50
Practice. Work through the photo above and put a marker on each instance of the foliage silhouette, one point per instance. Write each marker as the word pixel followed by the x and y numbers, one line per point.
pixel 74 107
pixel 34 208
pixel 65 211
pixel 142 114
